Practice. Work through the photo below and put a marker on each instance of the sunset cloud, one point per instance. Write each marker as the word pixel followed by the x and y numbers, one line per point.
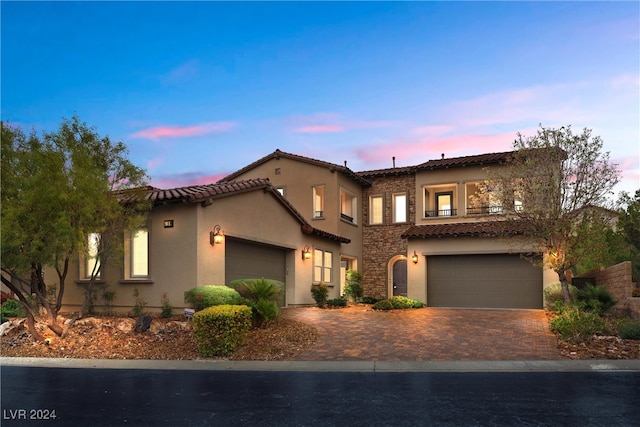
pixel 331 123
pixel 168 131
pixel 185 179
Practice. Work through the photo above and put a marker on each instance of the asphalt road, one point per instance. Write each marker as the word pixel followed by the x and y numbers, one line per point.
pixel 42 396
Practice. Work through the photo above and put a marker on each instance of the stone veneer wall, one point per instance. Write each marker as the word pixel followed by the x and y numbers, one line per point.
pixel 382 242
pixel 618 280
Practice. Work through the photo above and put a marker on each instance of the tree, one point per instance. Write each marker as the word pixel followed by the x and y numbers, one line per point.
pixel 57 189
pixel 552 190
pixel 629 228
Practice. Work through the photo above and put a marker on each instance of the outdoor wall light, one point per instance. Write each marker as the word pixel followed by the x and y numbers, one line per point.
pixel 168 223
pixel 215 236
pixel 414 257
pixel 306 252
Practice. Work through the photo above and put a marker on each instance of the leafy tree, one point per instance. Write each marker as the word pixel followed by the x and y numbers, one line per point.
pixel 629 228
pixel 552 190
pixel 57 188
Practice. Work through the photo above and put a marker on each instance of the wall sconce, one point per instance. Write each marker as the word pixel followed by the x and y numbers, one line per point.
pixel 414 257
pixel 215 236
pixel 168 223
pixel 306 252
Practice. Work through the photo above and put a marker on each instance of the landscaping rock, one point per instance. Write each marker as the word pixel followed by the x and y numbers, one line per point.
pixel 143 323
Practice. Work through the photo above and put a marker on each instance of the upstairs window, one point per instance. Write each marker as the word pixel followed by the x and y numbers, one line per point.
pixel 375 210
pixel 400 207
pixel 318 201
pixel 440 200
pixel 348 206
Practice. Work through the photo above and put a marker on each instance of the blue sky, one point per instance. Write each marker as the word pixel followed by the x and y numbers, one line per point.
pixel 198 90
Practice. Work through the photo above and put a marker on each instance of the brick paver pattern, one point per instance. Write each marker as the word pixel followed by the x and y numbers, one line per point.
pixel 359 333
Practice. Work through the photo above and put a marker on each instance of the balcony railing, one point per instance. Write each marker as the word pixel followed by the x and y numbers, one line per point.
pixel 443 212
pixel 346 217
pixel 484 210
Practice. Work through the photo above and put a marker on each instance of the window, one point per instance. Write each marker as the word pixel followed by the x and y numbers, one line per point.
pixel 444 204
pixel 322 262
pixel 482 200
pixel 348 206
pixel 318 201
pixel 140 253
pixel 92 260
pixel 400 207
pixel 375 210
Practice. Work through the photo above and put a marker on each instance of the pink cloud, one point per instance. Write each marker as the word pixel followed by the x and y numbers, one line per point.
pixel 432 147
pixel 161 132
pixel 185 180
pixel 320 129
pixel 331 123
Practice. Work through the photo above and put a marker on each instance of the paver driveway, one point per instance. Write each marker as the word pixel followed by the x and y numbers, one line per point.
pixel 359 333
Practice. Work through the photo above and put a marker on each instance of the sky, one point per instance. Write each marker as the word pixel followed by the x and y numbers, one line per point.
pixel 197 90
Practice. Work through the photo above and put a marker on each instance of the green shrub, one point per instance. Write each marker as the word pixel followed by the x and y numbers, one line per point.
pixel 218 330
pixel 596 298
pixel 167 308
pixel 337 302
pixel 240 286
pixel 320 293
pixel 264 310
pixel 262 289
pixel 12 308
pixel 553 293
pixel 575 324
pixel 384 304
pixel 108 296
pixel 353 286
pixel 140 303
pixel 629 329
pixel 210 295
pixel 397 303
pixel 368 300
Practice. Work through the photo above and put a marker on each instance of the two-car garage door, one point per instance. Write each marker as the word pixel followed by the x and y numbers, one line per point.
pixel 483 281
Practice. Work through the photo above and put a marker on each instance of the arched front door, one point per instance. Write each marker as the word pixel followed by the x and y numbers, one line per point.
pixel 399 277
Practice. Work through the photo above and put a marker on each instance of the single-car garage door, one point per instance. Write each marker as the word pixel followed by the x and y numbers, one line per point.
pixel 250 260
pixel 483 281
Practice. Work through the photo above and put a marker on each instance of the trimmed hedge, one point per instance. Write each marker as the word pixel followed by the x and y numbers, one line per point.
pixel 220 329
pixel 211 295
pixel 12 308
pixel 397 303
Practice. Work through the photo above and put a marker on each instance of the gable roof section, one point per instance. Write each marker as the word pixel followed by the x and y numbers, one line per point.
pixel 281 154
pixel 205 194
pixel 459 229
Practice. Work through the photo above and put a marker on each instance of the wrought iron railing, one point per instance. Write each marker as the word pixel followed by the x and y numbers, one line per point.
pixel 442 212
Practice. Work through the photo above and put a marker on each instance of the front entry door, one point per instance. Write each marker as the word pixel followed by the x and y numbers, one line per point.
pixel 400 278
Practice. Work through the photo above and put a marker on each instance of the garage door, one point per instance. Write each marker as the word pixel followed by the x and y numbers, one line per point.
pixel 250 260
pixel 483 281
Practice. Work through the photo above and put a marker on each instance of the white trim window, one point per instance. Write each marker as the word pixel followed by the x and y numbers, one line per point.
pixel 348 206
pixel 322 266
pixel 318 201
pixel 376 210
pixel 139 254
pixel 91 258
pixel 400 207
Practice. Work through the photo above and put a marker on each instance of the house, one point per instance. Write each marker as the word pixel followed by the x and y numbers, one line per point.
pixel 416 231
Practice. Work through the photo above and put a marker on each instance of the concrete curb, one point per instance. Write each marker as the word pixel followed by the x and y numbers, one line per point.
pixel 332 366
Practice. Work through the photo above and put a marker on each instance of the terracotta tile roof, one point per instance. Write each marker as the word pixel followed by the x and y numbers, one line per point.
pixel 281 154
pixel 460 229
pixel 197 193
pixel 477 160
pixel 207 193
pixel 406 170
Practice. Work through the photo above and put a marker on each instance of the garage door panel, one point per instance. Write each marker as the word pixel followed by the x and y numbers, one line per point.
pixel 250 260
pixel 485 281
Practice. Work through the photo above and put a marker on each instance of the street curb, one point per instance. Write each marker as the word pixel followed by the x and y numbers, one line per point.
pixel 331 366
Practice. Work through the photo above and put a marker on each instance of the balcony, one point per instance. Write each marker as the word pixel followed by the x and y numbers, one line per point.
pixel 438 213
pixel 485 210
